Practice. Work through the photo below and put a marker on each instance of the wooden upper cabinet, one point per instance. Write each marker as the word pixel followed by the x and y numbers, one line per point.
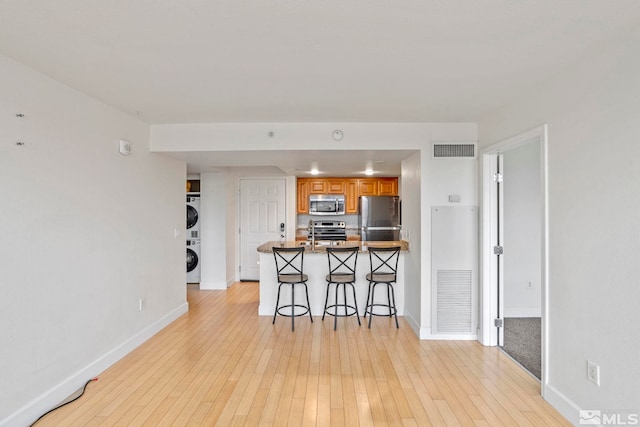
pixel 352 188
pixel 351 196
pixel 317 186
pixel 336 186
pixel 368 187
pixel 303 197
pixel 388 187
pixel 378 187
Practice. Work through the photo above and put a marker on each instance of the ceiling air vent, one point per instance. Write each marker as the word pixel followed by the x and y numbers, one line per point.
pixel 454 150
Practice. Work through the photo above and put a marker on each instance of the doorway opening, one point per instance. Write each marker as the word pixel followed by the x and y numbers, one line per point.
pixel 514 249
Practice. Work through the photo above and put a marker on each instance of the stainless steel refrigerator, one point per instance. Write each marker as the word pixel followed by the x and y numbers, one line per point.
pixel 379 218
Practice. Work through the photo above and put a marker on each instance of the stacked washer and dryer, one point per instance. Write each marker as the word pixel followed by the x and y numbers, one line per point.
pixel 193 239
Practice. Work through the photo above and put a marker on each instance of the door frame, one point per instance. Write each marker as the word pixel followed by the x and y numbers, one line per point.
pixel 490 269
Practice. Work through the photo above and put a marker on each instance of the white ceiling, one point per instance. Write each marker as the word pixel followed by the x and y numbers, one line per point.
pixel 169 61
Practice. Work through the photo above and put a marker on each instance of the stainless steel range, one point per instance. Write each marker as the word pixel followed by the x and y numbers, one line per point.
pixel 327 230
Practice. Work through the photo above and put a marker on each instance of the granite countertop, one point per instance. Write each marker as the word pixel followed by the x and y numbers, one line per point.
pixel 363 246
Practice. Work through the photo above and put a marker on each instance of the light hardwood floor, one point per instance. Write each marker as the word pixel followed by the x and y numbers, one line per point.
pixel 222 364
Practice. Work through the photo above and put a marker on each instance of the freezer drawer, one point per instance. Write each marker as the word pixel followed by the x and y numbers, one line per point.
pixel 380 234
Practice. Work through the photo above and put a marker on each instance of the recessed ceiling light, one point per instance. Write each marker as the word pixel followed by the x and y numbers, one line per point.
pixel 314 168
pixel 369 172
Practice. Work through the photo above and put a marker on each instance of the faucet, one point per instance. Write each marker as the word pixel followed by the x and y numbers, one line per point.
pixel 313 235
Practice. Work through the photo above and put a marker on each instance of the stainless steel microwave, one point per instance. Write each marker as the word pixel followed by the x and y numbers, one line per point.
pixel 326 204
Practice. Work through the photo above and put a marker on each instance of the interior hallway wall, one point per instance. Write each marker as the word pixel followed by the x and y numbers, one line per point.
pixel 592 112
pixel 87 233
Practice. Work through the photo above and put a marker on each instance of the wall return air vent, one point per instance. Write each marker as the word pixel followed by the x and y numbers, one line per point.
pixel 454 301
pixel 454 150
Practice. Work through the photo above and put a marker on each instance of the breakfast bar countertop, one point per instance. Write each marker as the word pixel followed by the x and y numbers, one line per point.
pixel 321 248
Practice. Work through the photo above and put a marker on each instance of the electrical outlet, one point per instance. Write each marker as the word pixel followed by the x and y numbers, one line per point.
pixel 141 304
pixel 593 373
pixel 529 285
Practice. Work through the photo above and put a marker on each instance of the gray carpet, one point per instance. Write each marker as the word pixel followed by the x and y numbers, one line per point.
pixel 522 342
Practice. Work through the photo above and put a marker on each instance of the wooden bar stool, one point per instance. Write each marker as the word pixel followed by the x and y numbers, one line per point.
pixel 289 265
pixel 384 269
pixel 342 272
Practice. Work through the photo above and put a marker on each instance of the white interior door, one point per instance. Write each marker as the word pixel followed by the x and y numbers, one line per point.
pixel 262 214
pixel 522 232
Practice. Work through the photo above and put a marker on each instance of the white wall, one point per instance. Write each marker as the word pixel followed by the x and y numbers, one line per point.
pixel 522 231
pixel 442 177
pixel 86 233
pixel 592 111
pixel 438 177
pixel 411 221
pixel 213 230
pixel 232 227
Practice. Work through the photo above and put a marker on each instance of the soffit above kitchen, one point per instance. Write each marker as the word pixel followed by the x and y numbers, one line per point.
pixel 330 163
pixel 333 149
pixel 304 61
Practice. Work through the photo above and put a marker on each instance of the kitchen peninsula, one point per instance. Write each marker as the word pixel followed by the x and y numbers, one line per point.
pixel 316 267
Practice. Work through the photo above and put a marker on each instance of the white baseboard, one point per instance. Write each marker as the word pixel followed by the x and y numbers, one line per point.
pixel 413 323
pixel 230 281
pixel 213 286
pixel 425 334
pixel 52 397
pixel 264 311
pixel 522 312
pixel 562 404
